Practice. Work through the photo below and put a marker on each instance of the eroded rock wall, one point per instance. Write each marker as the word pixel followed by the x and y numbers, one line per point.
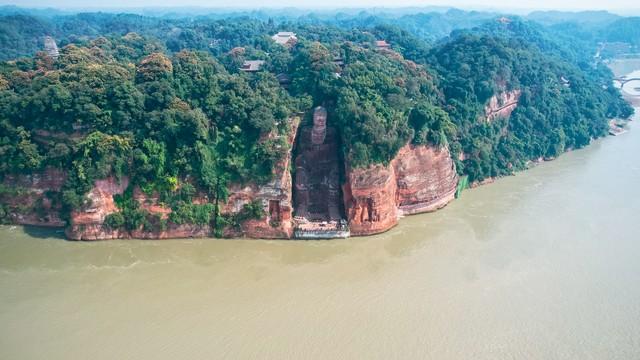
pixel 275 196
pixel 370 199
pixel 426 179
pixel 30 199
pixel 419 179
pixel 88 223
pixel 502 104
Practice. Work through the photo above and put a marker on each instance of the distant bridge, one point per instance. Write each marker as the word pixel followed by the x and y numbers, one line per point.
pixel 624 80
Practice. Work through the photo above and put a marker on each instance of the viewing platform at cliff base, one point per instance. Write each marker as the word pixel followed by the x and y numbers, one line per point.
pixel 333 229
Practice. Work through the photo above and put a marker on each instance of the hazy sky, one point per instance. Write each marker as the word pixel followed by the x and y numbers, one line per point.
pixel 496 4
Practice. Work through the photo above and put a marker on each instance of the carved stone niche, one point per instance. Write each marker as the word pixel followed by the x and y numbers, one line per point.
pixel 275 213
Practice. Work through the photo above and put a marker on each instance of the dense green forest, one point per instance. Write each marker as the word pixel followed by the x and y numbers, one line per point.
pixel 22 30
pixel 121 106
pixel 163 101
pixel 561 107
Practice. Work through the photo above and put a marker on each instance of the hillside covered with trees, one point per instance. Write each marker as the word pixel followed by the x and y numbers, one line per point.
pixel 176 114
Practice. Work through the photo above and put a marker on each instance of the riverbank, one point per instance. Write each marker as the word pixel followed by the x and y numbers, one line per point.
pixel 420 179
pixel 535 265
pixel 332 230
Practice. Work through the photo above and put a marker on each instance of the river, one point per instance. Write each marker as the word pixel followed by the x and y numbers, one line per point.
pixel 541 265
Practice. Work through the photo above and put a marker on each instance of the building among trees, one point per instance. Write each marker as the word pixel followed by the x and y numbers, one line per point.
pixel 252 65
pixel 285 38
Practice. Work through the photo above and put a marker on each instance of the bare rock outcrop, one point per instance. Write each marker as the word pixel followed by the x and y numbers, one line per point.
pixel 173 231
pixel 26 198
pixel 502 104
pixel 87 223
pixel 426 179
pixel 369 199
pixel 419 179
pixel 276 198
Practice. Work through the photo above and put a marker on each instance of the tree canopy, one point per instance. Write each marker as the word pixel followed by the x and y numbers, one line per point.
pixel 177 115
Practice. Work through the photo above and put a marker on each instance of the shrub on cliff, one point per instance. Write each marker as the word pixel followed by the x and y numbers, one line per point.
pixel 114 220
pixel 185 213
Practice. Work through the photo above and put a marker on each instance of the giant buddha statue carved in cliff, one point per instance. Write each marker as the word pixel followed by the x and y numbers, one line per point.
pixel 319 131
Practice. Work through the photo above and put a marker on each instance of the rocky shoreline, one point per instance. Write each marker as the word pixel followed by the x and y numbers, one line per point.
pixel 421 178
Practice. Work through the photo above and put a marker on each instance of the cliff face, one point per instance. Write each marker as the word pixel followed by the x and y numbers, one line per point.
pixel 88 223
pixel 426 179
pixel 31 199
pixel 275 196
pixel 419 179
pixel 502 104
pixel 370 199
pixel 276 201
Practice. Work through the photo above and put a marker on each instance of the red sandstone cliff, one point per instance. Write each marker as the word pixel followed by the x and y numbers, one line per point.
pixel 88 223
pixel 426 178
pixel 370 199
pixel 26 198
pixel 276 197
pixel 419 179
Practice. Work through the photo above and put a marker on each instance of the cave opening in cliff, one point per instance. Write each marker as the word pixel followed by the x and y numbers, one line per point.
pixel 317 195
